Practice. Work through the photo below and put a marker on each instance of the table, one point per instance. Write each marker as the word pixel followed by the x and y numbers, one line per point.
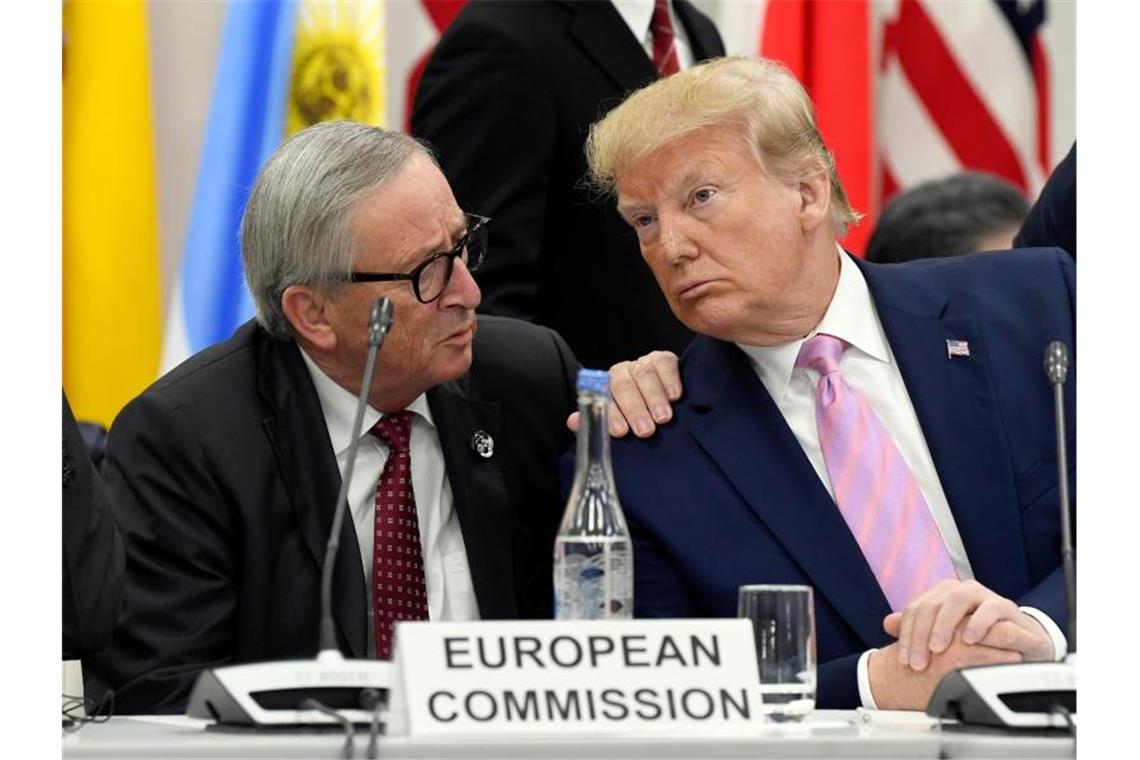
pixel 825 734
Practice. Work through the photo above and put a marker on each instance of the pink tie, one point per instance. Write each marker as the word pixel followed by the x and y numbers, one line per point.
pixel 875 490
pixel 399 591
pixel 664 50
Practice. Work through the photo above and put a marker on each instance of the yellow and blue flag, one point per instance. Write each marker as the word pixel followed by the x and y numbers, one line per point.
pixel 283 65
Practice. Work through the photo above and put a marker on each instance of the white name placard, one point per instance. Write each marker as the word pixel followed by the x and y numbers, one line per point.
pixel 695 677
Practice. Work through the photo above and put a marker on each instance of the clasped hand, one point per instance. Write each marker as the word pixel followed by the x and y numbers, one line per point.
pixel 954 624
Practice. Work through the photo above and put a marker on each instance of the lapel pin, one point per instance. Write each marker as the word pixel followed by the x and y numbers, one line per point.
pixel 483 444
pixel 957 348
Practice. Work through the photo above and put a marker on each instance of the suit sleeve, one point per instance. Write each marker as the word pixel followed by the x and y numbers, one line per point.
pixel 1053 219
pixel 92 550
pixel 569 366
pixel 179 595
pixel 489 116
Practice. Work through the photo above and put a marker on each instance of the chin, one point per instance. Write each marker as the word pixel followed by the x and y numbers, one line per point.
pixel 709 320
pixel 454 366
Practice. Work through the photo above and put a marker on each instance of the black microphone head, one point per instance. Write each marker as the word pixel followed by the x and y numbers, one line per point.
pixel 1056 361
pixel 380 320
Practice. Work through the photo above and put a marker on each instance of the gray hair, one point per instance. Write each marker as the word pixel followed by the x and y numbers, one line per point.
pixel 296 229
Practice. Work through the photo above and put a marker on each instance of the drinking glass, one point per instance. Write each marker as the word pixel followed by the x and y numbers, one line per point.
pixel 783 623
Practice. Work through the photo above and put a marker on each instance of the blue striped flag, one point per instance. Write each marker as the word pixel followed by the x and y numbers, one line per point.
pixel 282 63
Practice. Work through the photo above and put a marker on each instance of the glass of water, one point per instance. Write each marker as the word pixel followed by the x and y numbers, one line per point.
pixel 783 623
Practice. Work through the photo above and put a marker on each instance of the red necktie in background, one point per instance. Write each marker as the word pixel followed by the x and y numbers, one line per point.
pixel 664 50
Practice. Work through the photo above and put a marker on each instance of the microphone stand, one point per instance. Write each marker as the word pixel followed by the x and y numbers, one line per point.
pixel 1025 695
pixel 328 690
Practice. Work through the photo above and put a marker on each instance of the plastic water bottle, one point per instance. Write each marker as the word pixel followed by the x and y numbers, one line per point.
pixel 593 556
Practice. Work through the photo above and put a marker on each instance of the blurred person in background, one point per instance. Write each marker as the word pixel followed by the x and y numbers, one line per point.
pixel 506 101
pixel 962 213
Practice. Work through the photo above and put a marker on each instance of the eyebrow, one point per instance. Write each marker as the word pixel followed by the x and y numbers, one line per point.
pixel 691 177
pixel 454 233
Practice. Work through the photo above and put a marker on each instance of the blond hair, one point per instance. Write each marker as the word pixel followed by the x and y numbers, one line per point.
pixel 760 96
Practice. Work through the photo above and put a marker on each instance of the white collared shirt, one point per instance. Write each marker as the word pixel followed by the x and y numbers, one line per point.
pixel 869 366
pixel 638 13
pixel 449 590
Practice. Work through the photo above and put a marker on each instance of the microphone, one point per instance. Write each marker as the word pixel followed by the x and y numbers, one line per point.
pixel 308 692
pixel 379 322
pixel 1057 368
pixel 1025 694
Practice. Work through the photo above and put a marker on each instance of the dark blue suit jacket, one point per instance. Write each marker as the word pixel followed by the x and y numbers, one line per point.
pixel 724 495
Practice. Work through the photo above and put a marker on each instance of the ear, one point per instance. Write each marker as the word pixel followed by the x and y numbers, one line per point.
pixel 307 310
pixel 815 200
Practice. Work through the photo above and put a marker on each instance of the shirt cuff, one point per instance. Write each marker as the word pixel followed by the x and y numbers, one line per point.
pixel 1060 643
pixel 863 670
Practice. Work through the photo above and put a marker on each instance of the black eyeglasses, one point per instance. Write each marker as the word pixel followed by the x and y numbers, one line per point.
pixel 429 279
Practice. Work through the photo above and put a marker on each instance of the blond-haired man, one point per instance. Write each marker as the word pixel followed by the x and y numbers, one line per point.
pixel 880 433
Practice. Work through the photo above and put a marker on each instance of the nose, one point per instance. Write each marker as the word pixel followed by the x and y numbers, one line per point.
pixel 462 291
pixel 674 243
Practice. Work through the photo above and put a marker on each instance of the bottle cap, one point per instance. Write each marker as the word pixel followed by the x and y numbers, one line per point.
pixel 595 380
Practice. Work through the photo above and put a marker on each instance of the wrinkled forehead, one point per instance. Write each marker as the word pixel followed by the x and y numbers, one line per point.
pixel 686 159
pixel 408 217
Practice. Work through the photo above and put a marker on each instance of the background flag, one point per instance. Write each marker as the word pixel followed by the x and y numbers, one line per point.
pixel 111 301
pixel 959 86
pixel 964 86
pixel 283 66
pixel 827 46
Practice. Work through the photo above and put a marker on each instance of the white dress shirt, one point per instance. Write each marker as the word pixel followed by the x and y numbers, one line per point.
pixel 449 590
pixel 638 13
pixel 869 366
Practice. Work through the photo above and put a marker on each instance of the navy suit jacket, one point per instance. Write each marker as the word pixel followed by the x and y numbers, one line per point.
pixel 724 495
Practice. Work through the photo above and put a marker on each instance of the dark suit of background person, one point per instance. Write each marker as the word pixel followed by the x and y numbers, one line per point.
pixel 724 495
pixel 506 101
pixel 225 479
pixel 1053 218
pixel 92 550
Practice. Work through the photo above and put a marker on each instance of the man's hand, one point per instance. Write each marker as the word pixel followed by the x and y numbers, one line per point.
pixel 643 391
pixel 928 624
pixel 895 686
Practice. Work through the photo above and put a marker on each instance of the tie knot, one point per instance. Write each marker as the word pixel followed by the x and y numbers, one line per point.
pixel 821 353
pixel 395 430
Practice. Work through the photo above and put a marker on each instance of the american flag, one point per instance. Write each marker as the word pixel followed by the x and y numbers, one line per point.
pixel 957 348
pixel 964 85
pixel 911 90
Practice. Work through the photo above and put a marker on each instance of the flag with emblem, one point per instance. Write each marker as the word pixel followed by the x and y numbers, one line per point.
pixel 112 331
pixel 283 65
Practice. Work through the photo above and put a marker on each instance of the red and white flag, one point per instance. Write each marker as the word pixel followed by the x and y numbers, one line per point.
pixel 964 86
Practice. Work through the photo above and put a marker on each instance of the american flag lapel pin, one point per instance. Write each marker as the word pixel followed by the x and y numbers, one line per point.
pixel 957 348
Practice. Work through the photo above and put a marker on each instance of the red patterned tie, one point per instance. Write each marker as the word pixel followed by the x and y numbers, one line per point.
pixel 399 591
pixel 664 51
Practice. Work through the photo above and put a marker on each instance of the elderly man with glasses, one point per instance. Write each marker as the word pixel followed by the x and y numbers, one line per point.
pixel 225 472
